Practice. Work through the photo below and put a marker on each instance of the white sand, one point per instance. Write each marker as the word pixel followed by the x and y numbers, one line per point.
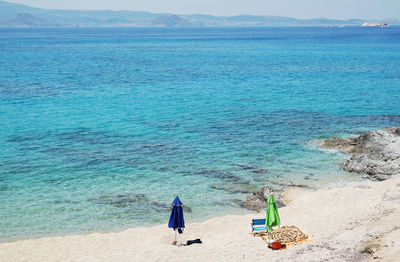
pixel 341 221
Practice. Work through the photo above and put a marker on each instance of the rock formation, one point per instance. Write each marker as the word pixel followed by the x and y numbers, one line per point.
pixel 375 155
pixel 259 199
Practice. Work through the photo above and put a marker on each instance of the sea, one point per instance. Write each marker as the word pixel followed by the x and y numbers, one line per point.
pixel 102 127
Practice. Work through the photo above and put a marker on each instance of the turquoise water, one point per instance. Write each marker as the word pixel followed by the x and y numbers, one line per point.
pixel 101 128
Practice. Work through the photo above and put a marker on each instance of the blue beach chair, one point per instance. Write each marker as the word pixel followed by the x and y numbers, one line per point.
pixel 258 226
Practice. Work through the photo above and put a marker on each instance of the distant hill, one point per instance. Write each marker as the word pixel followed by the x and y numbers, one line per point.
pixel 170 20
pixel 18 15
pixel 27 20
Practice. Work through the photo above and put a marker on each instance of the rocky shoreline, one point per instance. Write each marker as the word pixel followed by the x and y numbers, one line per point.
pixel 375 155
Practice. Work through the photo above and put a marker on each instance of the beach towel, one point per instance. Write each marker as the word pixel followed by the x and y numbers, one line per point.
pixel 287 235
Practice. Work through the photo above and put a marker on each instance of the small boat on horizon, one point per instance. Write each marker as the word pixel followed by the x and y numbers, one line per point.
pixel 375 25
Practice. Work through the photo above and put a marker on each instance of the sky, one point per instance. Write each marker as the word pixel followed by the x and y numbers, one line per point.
pixel 339 9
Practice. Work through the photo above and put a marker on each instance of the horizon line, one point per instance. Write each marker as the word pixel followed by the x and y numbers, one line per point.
pixel 192 14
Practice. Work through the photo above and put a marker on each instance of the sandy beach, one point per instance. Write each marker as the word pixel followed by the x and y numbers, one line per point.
pixel 358 222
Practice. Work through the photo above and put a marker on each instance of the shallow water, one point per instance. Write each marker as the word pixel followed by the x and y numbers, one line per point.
pixel 101 128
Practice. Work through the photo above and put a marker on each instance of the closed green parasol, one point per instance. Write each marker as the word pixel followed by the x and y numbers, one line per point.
pixel 272 216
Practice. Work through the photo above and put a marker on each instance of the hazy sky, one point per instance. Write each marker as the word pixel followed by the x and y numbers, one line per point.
pixel 342 9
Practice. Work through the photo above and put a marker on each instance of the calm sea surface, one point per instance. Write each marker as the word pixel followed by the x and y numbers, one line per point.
pixel 102 128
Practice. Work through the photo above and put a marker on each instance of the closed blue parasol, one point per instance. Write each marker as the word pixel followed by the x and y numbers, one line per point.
pixel 176 220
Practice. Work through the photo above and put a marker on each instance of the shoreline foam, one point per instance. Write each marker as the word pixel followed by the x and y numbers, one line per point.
pixel 343 222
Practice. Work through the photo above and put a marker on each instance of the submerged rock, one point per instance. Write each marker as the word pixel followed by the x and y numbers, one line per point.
pixel 229 182
pixel 260 171
pixel 3 188
pixel 129 200
pixel 120 200
pixel 220 174
pixel 291 184
pixel 233 188
pixel 375 155
pixel 252 169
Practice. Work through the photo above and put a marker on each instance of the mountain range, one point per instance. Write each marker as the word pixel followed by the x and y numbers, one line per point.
pixel 19 15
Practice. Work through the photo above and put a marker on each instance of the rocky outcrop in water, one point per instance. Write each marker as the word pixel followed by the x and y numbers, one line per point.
pixel 259 199
pixel 375 155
